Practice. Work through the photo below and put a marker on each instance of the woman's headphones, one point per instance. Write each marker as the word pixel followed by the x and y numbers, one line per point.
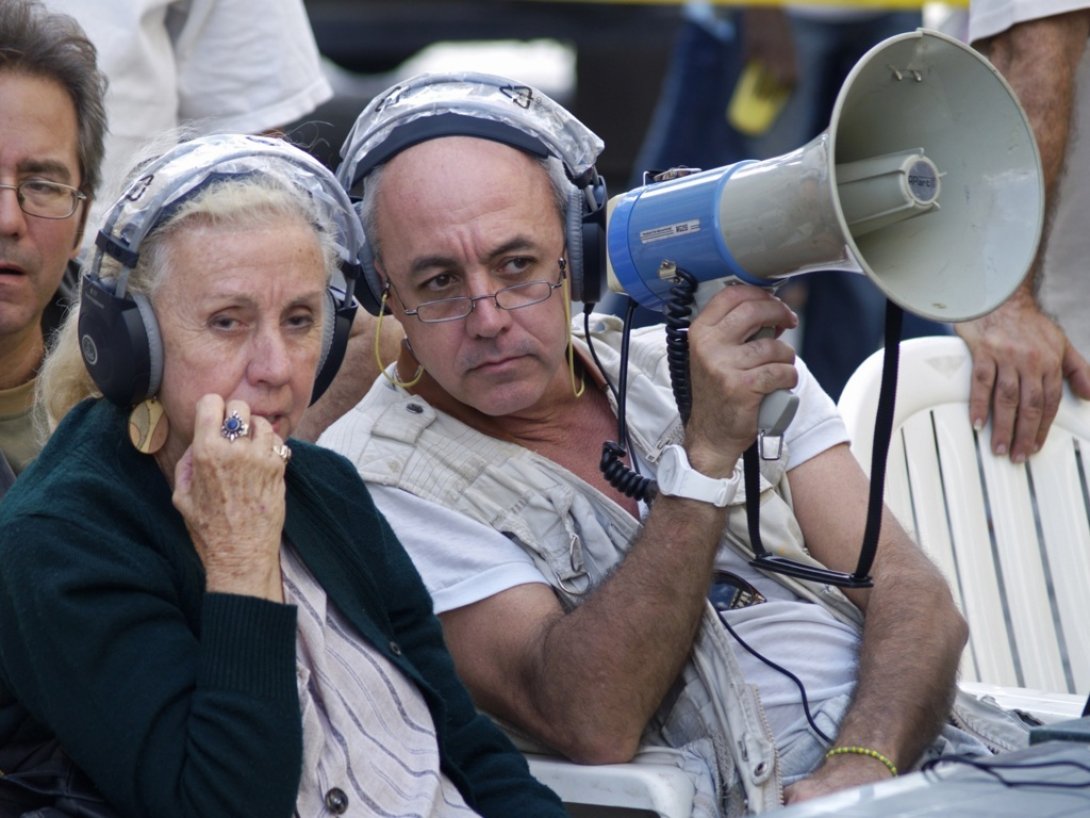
pixel 488 107
pixel 119 336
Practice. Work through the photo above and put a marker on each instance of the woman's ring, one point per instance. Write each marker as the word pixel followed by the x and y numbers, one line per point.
pixel 234 427
pixel 283 451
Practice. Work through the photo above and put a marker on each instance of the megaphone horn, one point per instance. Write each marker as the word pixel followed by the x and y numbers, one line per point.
pixel 928 181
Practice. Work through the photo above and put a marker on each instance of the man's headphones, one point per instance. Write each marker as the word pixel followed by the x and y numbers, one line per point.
pixel 119 336
pixel 488 107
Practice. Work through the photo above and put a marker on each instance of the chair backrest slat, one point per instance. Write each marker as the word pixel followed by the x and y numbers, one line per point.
pixel 1012 540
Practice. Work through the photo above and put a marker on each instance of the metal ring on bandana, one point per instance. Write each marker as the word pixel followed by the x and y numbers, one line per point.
pixel 283 451
pixel 234 427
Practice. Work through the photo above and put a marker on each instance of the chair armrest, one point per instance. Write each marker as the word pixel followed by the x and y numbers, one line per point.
pixel 1047 706
pixel 663 789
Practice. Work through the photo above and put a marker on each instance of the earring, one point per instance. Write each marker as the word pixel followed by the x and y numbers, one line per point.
pixel 395 379
pixel 148 426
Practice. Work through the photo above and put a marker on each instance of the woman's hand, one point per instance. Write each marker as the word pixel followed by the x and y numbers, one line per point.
pixel 231 495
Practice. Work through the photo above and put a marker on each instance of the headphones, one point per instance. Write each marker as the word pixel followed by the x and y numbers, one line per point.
pixel 119 336
pixel 429 106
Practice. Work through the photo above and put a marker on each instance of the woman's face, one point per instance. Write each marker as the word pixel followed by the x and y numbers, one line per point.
pixel 240 311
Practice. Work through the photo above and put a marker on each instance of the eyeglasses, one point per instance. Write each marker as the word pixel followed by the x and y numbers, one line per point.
pixel 728 591
pixel 46 200
pixel 510 298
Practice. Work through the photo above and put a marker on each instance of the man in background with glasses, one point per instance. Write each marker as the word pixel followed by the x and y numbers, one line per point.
pixel 590 621
pixel 52 124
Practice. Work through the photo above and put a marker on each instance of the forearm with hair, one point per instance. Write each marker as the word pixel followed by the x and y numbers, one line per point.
pixel 912 641
pixel 1039 59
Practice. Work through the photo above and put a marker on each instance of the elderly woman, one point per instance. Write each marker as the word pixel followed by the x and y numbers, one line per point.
pixel 204 618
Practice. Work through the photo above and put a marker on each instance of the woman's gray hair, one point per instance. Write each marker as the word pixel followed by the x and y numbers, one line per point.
pixel 232 202
pixel 367 208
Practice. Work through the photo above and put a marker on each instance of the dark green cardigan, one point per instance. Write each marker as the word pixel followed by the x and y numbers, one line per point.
pixel 178 702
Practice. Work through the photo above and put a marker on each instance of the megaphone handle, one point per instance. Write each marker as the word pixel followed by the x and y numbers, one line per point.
pixel 775 415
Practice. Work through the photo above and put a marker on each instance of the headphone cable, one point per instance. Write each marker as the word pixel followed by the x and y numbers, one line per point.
pixel 781 669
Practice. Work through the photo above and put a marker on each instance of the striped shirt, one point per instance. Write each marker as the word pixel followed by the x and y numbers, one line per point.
pixel 369 743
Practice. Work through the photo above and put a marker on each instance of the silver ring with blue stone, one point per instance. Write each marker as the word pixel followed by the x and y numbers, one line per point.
pixel 234 427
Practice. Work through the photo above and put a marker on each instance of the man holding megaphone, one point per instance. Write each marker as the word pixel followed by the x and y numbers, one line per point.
pixel 594 622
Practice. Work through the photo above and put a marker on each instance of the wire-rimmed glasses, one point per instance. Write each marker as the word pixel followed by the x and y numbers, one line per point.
pixel 514 297
pixel 46 199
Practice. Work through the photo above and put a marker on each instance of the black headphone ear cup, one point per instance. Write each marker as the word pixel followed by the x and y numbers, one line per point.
pixel 573 236
pixel 114 342
pixel 371 295
pixel 329 323
pixel 585 234
pixel 593 232
pixel 336 328
pixel 154 340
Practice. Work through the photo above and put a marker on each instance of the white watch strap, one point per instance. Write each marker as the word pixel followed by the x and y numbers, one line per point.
pixel 693 485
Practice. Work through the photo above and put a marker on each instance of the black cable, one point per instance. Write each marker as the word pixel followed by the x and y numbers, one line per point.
pixel 798 682
pixel 679 311
pixel 627 481
pixel 991 767
pixel 883 433
pixel 587 310
pixel 622 372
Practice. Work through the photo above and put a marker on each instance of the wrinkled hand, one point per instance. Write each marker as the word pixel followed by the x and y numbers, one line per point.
pixel 730 372
pixel 1020 361
pixel 838 773
pixel 231 495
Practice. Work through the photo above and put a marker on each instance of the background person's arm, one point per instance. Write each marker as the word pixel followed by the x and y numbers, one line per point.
pixel 1020 355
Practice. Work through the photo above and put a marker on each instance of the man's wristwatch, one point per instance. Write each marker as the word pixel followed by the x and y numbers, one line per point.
pixel 677 478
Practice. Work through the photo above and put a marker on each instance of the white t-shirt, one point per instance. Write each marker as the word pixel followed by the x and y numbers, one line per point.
pixel 463 562
pixel 1064 292
pixel 218 65
pixel 990 17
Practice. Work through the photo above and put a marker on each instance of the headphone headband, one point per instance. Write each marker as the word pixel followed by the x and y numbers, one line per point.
pixel 521 112
pixel 165 183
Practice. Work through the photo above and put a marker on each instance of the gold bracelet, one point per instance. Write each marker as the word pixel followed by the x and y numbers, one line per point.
pixel 864 751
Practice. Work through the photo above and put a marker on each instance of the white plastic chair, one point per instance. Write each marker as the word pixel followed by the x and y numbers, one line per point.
pixel 1047 706
pixel 638 788
pixel 1013 540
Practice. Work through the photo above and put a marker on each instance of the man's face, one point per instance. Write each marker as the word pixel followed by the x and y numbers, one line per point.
pixel 38 140
pixel 466 216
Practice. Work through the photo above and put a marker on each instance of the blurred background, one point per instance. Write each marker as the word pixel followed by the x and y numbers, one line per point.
pixel 604 61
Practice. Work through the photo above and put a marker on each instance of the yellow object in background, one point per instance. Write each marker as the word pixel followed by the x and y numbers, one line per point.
pixel 757 100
